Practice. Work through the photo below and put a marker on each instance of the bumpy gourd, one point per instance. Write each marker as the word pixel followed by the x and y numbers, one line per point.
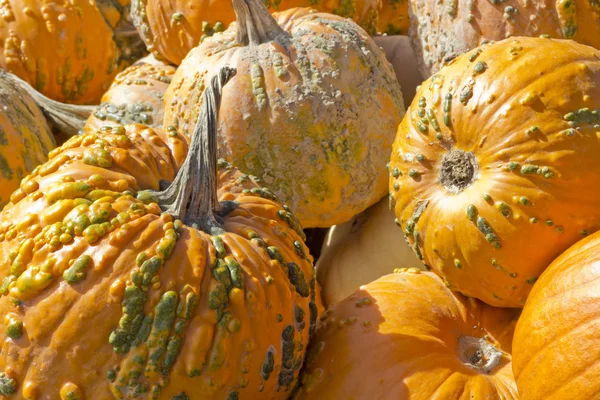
pixel 172 28
pixel 135 96
pixel 555 345
pixel 495 169
pixel 110 289
pixel 25 137
pixel 360 251
pixel 64 49
pixel 406 336
pixel 443 30
pixel 393 17
pixel 312 110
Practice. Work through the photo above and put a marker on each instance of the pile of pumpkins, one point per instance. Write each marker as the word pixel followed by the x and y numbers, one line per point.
pixel 215 200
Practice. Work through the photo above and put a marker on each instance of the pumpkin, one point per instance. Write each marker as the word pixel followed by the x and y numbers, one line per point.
pixel 441 31
pixel 494 172
pixel 51 46
pixel 555 341
pixel 312 110
pixel 172 28
pixel 112 288
pixel 400 54
pixel 406 336
pixel 25 137
pixel 393 17
pixel 135 96
pixel 360 251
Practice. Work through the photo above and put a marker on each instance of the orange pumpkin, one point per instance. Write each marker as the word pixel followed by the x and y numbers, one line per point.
pixel 25 137
pixel 50 45
pixel 555 345
pixel 495 169
pixel 406 336
pixel 393 17
pixel 312 111
pixel 203 290
pixel 172 28
pixel 135 96
pixel 441 32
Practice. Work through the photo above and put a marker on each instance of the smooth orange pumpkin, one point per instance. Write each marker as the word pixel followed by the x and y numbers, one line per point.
pixel 360 251
pixel 406 336
pixel 135 96
pixel 312 111
pixel 203 290
pixel 63 48
pixel 442 31
pixel 25 137
pixel 555 344
pixel 172 28
pixel 495 169
pixel 393 17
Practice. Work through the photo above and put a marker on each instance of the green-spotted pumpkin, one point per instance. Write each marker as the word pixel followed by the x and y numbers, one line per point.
pixel 129 272
pixel 312 111
pixel 135 96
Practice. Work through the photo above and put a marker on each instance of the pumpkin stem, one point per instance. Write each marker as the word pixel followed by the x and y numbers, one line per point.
pixel 458 170
pixel 65 119
pixel 192 196
pixel 479 354
pixel 255 24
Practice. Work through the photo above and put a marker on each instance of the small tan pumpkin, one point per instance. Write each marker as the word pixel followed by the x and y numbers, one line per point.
pixel 360 251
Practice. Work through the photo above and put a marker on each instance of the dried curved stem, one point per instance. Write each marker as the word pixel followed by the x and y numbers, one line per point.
pixel 66 119
pixel 256 25
pixel 192 196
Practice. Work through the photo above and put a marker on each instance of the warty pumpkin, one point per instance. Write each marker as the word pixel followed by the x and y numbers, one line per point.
pixel 312 110
pixel 494 170
pixel 441 31
pixel 135 96
pixel 50 45
pixel 114 289
pixel 406 336
pixel 171 29
pixel 393 17
pixel 360 251
pixel 556 339
pixel 25 137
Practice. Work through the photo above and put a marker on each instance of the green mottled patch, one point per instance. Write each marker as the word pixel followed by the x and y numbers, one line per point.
pixel 78 271
pixel 8 386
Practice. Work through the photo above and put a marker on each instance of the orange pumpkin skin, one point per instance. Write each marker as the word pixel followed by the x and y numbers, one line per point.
pixel 393 17
pixel 50 45
pixel 171 29
pixel 135 96
pixel 490 200
pixel 315 125
pixel 555 343
pixel 423 342
pixel 440 33
pixel 25 137
pixel 80 295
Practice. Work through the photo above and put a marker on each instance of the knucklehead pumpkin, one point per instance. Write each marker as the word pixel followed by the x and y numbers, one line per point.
pixel 312 110
pixel 495 168
pixel 128 272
